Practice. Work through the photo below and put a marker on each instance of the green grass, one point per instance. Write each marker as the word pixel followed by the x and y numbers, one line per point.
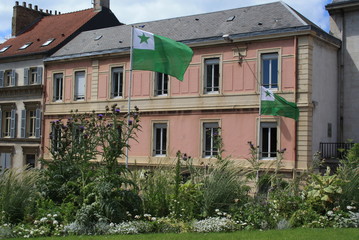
pixel 291 234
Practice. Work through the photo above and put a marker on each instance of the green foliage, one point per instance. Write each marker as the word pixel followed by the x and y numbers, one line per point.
pixel 324 191
pixel 156 188
pixel 222 186
pixel 18 193
pixel 348 171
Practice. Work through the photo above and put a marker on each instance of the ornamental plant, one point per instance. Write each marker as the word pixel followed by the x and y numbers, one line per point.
pixel 85 170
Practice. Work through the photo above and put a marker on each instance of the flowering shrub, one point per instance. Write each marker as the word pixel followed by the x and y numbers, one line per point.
pixel 45 226
pixel 214 224
pixel 131 227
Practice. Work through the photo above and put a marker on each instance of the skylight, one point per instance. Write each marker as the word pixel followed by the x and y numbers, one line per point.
pixel 47 43
pixel 98 37
pixel 230 19
pixel 25 45
pixel 4 48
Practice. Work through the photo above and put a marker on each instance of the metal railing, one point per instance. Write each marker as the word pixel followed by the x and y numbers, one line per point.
pixel 334 150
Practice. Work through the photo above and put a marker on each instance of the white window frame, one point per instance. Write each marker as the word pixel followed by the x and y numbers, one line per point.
pixel 270 53
pixel 58 87
pixel 213 150
pixel 211 62
pixel 271 154
pixel 77 86
pixel 162 137
pixel 161 84
pixel 117 76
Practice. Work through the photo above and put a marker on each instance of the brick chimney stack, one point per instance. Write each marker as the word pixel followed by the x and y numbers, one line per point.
pixel 23 17
pixel 99 4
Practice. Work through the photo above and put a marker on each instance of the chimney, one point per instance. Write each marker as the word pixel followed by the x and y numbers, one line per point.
pixel 23 17
pixel 99 4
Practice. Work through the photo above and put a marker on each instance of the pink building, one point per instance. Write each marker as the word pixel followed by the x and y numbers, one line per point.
pixel 234 52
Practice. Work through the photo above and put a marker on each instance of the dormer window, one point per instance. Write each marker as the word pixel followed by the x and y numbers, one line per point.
pixel 47 43
pixel 4 48
pixel 25 46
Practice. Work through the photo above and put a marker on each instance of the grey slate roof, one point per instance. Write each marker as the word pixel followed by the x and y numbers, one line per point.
pixel 248 21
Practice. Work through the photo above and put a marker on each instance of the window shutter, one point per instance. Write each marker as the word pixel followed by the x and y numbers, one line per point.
pixel 1 79
pixel 39 75
pixel 38 123
pixel 13 77
pixel 7 160
pixel 26 76
pixel 2 161
pixel 23 123
pixel 0 123
pixel 13 123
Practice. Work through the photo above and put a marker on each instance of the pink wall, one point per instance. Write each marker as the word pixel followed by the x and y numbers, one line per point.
pixel 185 129
pixel 184 132
pixel 236 78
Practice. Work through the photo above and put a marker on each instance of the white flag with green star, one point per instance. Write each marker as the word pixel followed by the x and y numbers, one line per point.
pixel 272 104
pixel 159 54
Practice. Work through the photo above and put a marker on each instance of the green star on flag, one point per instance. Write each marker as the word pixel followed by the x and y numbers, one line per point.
pixel 159 54
pixel 272 104
pixel 143 38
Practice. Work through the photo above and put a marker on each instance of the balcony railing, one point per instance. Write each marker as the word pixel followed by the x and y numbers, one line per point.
pixel 334 150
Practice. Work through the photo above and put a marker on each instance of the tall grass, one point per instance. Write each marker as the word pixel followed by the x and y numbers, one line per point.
pixel 349 172
pixel 17 193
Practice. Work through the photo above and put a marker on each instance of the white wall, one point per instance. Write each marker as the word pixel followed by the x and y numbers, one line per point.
pixel 324 94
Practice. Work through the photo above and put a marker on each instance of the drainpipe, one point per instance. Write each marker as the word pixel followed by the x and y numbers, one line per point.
pixel 295 100
pixel 341 80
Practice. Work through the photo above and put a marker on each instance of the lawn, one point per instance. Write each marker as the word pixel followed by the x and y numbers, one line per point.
pixel 291 234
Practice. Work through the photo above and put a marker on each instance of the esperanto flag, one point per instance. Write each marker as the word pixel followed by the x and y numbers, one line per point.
pixel 272 104
pixel 159 54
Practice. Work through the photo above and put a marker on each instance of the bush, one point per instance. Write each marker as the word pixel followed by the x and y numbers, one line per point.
pixel 18 194
pixel 214 224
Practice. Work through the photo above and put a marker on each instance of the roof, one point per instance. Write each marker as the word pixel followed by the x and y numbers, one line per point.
pixel 241 22
pixel 342 3
pixel 57 27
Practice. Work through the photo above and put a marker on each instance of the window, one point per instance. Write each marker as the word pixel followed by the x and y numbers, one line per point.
pixel 117 82
pixel 7 78
pixel 210 138
pixel 55 137
pixel 30 160
pixel 33 76
pixel 160 139
pixel 58 87
pixel 7 123
pixel 270 70
pixel 211 75
pixel 5 161
pixel 48 42
pixel 80 83
pixel 31 122
pixel 4 48
pixel 268 140
pixel 26 45
pixel 161 84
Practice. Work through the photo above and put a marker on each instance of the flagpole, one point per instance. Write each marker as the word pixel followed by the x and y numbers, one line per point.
pixel 129 99
pixel 259 135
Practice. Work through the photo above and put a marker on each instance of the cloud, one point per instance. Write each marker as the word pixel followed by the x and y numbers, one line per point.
pixel 134 11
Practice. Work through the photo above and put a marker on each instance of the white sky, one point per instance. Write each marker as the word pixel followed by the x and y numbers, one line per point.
pixel 134 11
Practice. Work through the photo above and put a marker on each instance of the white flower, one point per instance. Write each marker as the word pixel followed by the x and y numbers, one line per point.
pixel 153 219
pixel 55 222
pixel 49 215
pixel 55 215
